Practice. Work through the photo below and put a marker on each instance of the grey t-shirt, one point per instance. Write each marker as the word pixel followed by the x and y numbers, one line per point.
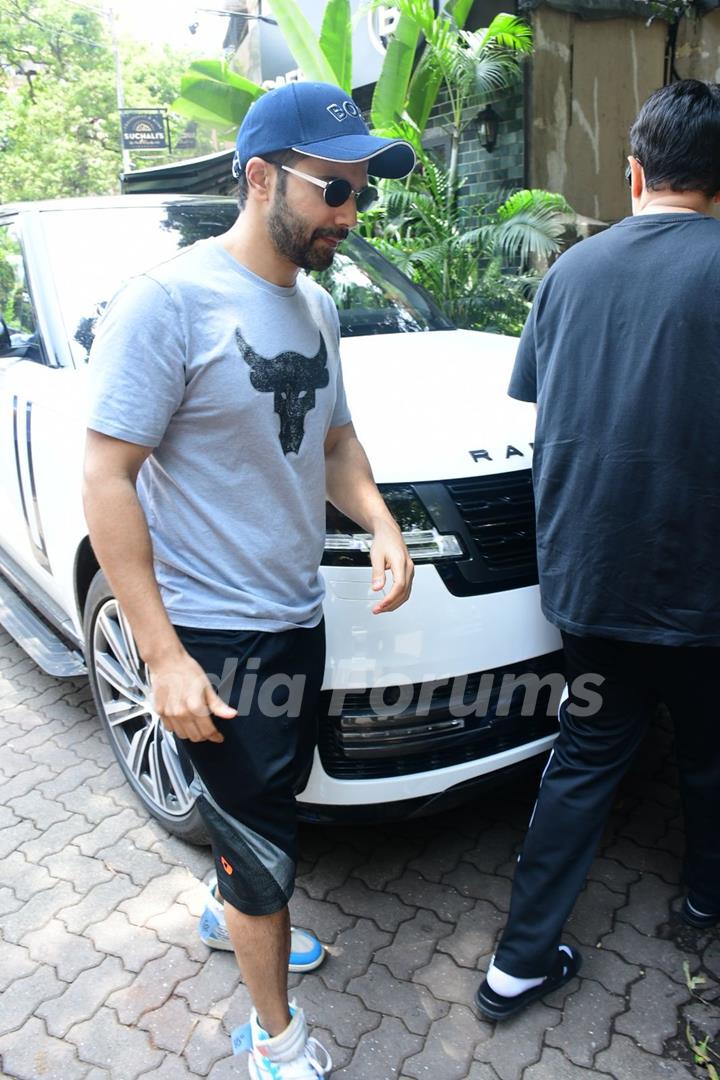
pixel 622 354
pixel 234 382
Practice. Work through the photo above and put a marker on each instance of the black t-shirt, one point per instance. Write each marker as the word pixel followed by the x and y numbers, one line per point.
pixel 622 354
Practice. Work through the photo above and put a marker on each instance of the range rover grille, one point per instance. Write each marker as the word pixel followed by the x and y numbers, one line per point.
pixel 500 515
pixel 359 744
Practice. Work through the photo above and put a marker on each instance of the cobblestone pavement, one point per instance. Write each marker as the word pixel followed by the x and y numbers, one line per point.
pixel 103 977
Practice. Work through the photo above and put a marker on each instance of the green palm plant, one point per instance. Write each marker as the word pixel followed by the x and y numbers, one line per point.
pixel 458 253
pixel 213 93
pixel 472 67
pixel 405 93
pixel 466 64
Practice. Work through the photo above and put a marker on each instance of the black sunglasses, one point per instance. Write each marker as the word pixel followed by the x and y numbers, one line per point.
pixel 337 192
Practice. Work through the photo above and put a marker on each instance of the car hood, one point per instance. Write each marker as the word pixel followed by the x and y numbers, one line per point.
pixel 434 406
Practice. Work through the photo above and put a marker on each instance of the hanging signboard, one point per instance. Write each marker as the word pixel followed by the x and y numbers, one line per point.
pixel 144 129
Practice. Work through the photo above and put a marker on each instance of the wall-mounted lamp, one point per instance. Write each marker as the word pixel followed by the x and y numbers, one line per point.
pixel 488 123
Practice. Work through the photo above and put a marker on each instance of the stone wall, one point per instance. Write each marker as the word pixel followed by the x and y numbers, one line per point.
pixel 588 79
pixel 698 48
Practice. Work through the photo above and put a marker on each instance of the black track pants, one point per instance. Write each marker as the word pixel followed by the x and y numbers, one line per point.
pixel 589 758
pixel 246 785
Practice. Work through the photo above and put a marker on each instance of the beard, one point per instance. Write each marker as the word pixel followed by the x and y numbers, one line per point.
pixel 294 241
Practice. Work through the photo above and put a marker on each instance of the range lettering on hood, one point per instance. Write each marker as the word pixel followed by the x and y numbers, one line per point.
pixel 510 452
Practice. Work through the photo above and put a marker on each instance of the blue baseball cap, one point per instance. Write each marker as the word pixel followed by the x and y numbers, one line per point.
pixel 321 121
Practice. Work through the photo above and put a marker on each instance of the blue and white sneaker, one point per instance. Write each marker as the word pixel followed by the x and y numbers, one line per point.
pixel 306 952
pixel 289 1056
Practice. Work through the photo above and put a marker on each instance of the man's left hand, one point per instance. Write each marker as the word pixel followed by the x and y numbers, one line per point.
pixel 388 552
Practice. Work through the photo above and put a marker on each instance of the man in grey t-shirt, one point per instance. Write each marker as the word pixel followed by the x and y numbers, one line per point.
pixel 218 425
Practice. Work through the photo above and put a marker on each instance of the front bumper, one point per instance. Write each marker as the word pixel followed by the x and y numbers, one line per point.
pixel 369 765
pixel 527 769
pixel 386 750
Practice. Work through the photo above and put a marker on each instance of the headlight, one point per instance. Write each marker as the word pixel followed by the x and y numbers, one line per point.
pixel 347 545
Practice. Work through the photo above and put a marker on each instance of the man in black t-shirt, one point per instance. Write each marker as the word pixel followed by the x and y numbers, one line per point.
pixel 621 353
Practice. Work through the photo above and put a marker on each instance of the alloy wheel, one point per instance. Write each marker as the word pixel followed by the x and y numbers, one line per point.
pixel 143 743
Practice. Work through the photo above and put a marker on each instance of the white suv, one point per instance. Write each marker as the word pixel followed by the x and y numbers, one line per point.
pixel 419 706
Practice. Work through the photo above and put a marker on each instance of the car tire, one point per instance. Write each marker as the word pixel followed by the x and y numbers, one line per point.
pixel 145 750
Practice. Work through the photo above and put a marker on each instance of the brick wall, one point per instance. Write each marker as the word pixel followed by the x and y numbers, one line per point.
pixel 486 174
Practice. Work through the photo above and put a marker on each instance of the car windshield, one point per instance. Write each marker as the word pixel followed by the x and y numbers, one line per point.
pixel 92 252
pixel 373 297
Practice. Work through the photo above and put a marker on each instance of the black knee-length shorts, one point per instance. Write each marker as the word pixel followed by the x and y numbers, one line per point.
pixel 246 785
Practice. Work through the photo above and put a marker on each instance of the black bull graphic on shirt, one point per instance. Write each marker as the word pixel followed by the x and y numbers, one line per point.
pixel 293 380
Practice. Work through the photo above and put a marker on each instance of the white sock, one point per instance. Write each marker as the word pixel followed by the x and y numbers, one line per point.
pixel 510 985
pixel 288 1044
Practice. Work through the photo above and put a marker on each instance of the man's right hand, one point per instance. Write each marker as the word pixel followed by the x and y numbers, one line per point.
pixel 181 690
pixel 185 700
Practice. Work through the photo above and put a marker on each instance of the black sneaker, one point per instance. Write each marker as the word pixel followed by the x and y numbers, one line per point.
pixel 499 1007
pixel 699 919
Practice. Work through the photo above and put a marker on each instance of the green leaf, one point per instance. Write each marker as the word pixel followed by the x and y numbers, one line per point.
pixel 389 97
pixel 458 10
pixel 202 115
pixel 508 32
pixel 425 83
pixel 302 43
pixel 213 94
pixel 218 71
pixel 533 199
pixel 336 41
pixel 492 74
pixel 532 232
